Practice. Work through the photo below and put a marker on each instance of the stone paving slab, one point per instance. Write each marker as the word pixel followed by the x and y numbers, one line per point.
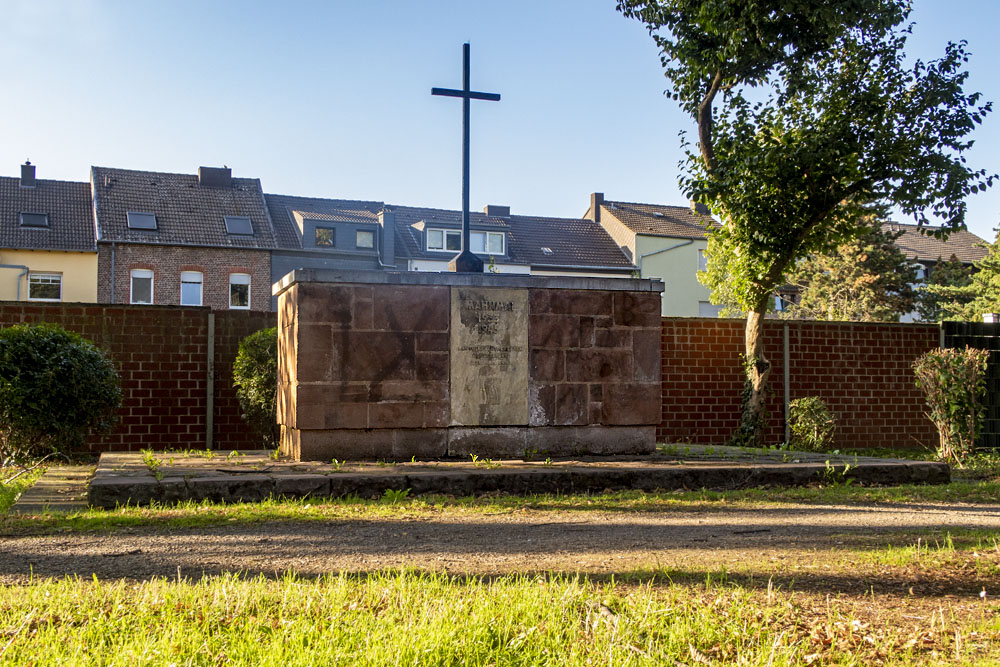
pixel 248 476
pixel 60 489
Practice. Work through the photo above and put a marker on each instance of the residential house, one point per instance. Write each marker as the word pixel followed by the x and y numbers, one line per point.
pixel 925 251
pixel 428 238
pixel 200 239
pixel 349 234
pixel 665 242
pixel 47 250
pixel 318 233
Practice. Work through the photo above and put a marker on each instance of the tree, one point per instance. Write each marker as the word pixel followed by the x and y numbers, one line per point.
pixel 56 388
pixel 982 293
pixel 866 279
pixel 946 291
pixel 255 377
pixel 808 122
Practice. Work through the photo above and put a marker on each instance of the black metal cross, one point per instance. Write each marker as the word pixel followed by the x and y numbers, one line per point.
pixel 465 261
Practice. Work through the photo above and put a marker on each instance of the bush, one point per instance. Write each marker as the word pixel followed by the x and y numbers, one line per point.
pixel 56 388
pixel 811 424
pixel 953 382
pixel 255 377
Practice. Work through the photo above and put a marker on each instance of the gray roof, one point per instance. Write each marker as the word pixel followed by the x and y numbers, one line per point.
pixel 574 242
pixel 186 213
pixel 67 204
pixel 659 220
pixel 284 209
pixel 965 245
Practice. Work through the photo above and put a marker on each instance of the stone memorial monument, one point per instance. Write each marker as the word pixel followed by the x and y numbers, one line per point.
pixel 395 365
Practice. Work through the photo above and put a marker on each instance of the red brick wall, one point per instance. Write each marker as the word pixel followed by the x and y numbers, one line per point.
pixel 161 353
pixel 861 371
pixel 167 262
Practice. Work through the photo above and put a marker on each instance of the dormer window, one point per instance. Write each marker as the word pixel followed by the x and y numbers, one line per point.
pixel 365 238
pixel 444 239
pixel 487 243
pixel 143 221
pixel 35 220
pixel 239 225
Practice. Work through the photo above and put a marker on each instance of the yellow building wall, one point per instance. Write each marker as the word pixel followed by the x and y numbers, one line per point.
pixel 679 270
pixel 78 270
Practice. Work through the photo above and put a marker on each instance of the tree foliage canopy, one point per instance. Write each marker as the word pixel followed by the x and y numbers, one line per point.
pixel 255 378
pixel 947 291
pixel 866 279
pixel 979 295
pixel 809 120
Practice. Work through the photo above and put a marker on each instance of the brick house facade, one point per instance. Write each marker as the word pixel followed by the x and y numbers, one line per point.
pixel 216 265
pixel 200 239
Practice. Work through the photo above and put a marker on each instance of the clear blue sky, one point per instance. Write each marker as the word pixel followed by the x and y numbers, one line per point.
pixel 332 98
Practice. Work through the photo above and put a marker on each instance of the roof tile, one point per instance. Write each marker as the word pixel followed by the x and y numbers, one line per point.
pixel 67 204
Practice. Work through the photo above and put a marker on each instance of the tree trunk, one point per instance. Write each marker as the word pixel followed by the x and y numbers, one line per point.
pixel 758 368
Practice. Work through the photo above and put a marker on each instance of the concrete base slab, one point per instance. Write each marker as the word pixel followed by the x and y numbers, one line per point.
pixel 254 475
pixel 60 489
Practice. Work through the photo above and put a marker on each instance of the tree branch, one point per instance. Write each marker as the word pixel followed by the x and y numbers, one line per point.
pixel 705 122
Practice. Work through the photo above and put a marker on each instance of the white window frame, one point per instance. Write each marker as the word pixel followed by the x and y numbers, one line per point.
pixel 142 274
pixel 445 233
pixel 32 275
pixel 486 242
pixel 193 278
pixel 239 279
pixel 357 237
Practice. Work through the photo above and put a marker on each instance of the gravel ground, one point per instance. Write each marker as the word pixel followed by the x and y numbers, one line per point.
pixel 599 543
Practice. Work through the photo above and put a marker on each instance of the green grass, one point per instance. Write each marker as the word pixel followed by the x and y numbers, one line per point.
pixel 409 618
pixel 9 493
pixel 400 505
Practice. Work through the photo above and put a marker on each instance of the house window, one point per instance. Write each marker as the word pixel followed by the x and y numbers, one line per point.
pixel 191 282
pixel 326 237
pixel 365 239
pixel 708 309
pixel 238 224
pixel 44 287
pixel 487 243
pixel 145 221
pixel 702 261
pixel 142 286
pixel 34 219
pixel 239 290
pixel 444 239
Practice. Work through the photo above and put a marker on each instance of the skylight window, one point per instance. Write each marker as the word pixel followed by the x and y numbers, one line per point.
pixel 34 219
pixel 546 250
pixel 145 221
pixel 239 224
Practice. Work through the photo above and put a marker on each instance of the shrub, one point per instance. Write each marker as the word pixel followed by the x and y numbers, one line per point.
pixel 255 377
pixel 811 423
pixel 953 382
pixel 56 388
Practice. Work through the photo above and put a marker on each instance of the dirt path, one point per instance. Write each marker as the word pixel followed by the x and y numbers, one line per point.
pixel 788 541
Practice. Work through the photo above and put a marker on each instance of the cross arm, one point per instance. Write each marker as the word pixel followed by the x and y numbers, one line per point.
pixel 449 92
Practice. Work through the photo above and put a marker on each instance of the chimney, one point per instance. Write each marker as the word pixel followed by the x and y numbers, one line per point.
pixel 495 211
pixel 27 174
pixel 596 199
pixel 387 249
pixel 701 209
pixel 215 177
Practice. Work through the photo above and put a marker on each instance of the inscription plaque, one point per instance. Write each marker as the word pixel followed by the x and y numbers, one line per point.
pixel 489 356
